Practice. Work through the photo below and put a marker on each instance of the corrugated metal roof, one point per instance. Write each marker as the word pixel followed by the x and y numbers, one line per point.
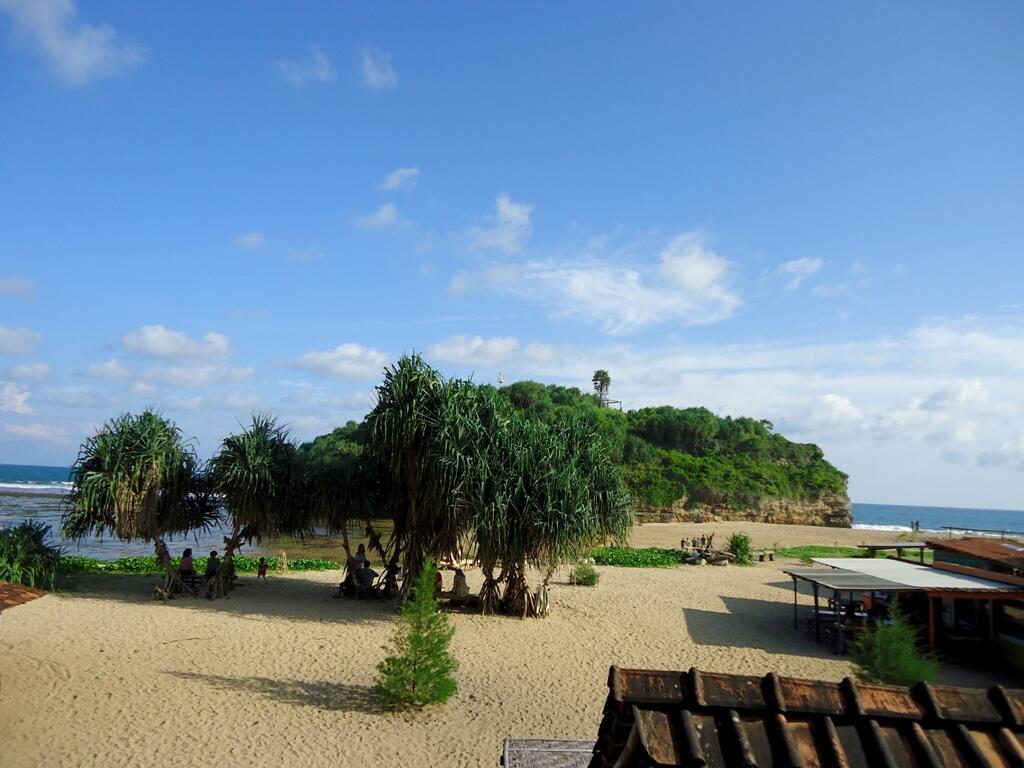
pixel 913 575
pixel 1008 552
pixel 846 581
pixel 654 718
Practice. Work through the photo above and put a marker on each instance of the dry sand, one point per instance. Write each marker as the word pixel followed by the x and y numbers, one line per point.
pixel 281 674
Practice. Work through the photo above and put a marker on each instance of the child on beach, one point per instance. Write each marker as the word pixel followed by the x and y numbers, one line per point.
pixel 261 572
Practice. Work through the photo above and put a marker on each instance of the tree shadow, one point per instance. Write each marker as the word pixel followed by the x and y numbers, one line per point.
pixel 292 597
pixel 336 697
pixel 762 624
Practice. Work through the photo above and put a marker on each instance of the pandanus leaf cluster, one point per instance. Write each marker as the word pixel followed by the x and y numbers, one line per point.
pixel 134 480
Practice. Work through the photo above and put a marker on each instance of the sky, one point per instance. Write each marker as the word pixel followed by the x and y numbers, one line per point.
pixel 803 212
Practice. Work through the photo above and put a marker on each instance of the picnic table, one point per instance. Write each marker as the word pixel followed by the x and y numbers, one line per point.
pixel 899 546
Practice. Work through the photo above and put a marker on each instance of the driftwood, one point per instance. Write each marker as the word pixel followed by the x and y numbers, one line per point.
pixel 701 549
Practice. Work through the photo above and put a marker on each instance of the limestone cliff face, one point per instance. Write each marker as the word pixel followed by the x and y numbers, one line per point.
pixel 830 510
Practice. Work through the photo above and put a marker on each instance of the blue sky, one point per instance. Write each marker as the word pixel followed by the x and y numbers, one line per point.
pixel 803 212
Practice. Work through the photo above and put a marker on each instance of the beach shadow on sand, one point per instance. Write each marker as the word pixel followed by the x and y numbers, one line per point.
pixel 291 598
pixel 336 697
pixel 762 624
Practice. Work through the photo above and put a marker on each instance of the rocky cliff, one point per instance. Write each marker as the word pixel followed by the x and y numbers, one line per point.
pixel 830 510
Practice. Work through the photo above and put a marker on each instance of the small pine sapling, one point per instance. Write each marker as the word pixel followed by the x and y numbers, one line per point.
pixel 890 654
pixel 420 671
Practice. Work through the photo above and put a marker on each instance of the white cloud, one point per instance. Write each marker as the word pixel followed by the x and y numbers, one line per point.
pixel 401 178
pixel 376 69
pixel 109 369
pixel 18 341
pixel 510 228
pixel 160 341
pixel 31 372
pixel 76 52
pixel 798 270
pixel 964 341
pixel 196 376
pixel 468 350
pixel 41 432
pixel 970 392
pixel 315 68
pixel 304 254
pixel 385 217
pixel 16 286
pixel 346 362
pixel 250 240
pixel 14 398
pixel 689 283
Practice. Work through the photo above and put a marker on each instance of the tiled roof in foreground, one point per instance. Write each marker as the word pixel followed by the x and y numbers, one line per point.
pixel 694 718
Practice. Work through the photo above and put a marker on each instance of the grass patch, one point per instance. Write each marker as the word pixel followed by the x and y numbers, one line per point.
pixel 645 557
pixel 148 564
pixel 805 553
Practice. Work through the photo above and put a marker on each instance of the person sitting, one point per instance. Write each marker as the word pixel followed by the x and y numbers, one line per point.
pixel 186 568
pixel 360 557
pixel 438 584
pixel 212 566
pixel 460 589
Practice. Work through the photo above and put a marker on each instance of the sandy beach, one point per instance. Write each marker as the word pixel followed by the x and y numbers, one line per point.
pixel 281 674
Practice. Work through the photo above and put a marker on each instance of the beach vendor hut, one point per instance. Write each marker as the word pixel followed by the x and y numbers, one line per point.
pixel 927 593
pixel 990 558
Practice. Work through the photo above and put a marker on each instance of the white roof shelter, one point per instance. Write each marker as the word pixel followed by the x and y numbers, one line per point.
pixel 922 577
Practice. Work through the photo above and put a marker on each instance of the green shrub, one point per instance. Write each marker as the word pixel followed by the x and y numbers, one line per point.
pixel 584 575
pixel 420 671
pixel 148 564
pixel 645 557
pixel 739 546
pixel 26 558
pixel 890 654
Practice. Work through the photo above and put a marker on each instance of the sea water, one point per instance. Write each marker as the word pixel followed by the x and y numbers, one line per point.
pixel 37 493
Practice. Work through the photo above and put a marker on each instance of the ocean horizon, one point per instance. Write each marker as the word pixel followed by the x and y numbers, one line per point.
pixel 34 492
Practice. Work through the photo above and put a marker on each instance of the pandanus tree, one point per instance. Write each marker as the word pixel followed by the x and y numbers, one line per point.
pixel 551 493
pixel 459 469
pixel 137 479
pixel 419 432
pixel 262 482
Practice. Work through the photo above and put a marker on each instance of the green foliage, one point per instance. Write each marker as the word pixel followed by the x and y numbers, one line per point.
pixel 667 453
pixel 890 654
pixel 136 479
pixel 739 546
pixel 584 575
pixel 26 558
pixel 456 462
pixel 421 669
pixel 260 477
pixel 149 564
pixel 645 557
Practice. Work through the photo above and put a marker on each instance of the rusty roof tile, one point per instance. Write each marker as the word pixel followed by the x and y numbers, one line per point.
pixel 711 719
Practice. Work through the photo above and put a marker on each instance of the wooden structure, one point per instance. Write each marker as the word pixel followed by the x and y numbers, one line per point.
pixel 546 753
pixel 655 718
pixel 862 576
pixel 920 546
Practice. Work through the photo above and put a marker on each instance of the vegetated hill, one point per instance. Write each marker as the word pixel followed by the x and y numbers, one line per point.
pixel 668 454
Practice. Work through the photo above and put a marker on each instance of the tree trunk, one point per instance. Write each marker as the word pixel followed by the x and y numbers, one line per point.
pixel 490 593
pixel 172 581
pixel 221 583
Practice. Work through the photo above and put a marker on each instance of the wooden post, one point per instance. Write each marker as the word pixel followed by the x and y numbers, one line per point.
pixel 796 622
pixel 931 621
pixel 837 641
pixel 817 626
